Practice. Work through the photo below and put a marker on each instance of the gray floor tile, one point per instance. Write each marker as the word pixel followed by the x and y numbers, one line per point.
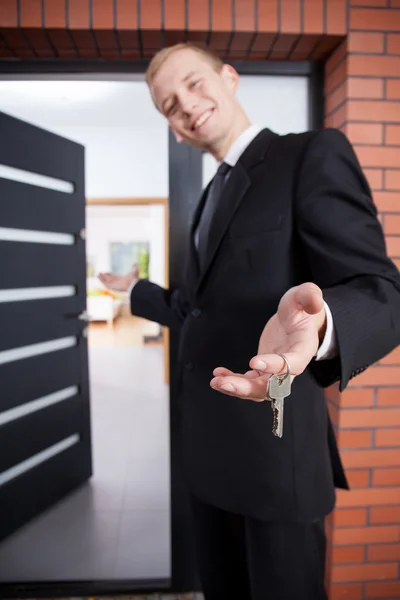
pixel 143 549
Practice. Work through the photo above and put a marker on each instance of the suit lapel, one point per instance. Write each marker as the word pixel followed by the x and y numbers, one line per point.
pixel 238 183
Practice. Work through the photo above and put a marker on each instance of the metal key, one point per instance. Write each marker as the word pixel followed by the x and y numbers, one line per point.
pixel 279 388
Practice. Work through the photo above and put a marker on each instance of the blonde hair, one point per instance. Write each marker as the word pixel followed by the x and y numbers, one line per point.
pixel 161 56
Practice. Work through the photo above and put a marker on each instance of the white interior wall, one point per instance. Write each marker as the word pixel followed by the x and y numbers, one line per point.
pixel 107 224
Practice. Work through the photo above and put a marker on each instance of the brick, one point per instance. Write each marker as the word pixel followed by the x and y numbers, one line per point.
pixel 386 477
pixel 375 19
pixel 389 397
pixel 393 89
pixel 392 226
pixel 349 517
pixel 379 375
pixel 290 16
pixel 367 43
pixel 336 17
pixel 103 15
pixel 358 478
pixel 374 111
pixel 372 458
pixel 54 14
pixel 346 591
pixel 357 397
pixel 384 552
pixel 392 180
pixel 393 43
pixel 387 437
pixel 336 57
pixel 384 589
pixel 126 16
pixel 8 14
pixel 372 3
pixel 336 98
pixel 388 514
pixel 367 572
pixel 365 535
pixel 151 17
pixel 363 418
pixel 373 66
pixel 368 497
pixel 268 15
pixel 198 15
pixel 393 249
pixel 351 554
pixel 354 439
pixel 387 201
pixel 375 178
pixel 363 133
pixel 339 116
pixel 336 78
pixel 31 13
pixel 78 14
pixel 392 134
pixel 360 87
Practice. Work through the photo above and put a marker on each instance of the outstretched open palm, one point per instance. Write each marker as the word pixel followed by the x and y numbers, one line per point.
pixel 295 331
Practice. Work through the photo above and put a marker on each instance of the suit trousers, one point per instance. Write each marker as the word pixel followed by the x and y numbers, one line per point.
pixel 241 558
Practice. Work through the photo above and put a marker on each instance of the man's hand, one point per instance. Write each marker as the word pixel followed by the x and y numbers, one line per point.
pixel 296 331
pixel 119 283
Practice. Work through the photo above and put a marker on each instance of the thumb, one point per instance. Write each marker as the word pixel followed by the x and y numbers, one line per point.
pixel 306 297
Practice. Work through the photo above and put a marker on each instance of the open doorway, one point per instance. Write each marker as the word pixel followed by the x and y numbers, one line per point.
pixel 115 527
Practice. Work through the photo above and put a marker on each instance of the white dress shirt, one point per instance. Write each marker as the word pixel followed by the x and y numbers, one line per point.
pixel 328 348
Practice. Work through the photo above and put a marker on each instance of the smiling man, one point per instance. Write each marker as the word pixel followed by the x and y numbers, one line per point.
pixel 286 256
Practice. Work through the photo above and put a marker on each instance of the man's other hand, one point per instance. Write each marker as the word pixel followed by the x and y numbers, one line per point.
pixel 296 330
pixel 119 283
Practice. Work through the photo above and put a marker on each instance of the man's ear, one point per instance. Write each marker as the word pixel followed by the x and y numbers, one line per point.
pixel 230 77
pixel 178 137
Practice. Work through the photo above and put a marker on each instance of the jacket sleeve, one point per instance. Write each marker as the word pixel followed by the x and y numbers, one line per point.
pixel 345 251
pixel 152 302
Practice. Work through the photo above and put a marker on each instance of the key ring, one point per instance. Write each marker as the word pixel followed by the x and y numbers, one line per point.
pixel 284 376
pixel 280 377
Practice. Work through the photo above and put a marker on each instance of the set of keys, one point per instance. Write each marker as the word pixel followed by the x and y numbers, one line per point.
pixel 279 388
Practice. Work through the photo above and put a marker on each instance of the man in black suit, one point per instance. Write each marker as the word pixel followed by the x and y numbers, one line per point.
pixel 286 234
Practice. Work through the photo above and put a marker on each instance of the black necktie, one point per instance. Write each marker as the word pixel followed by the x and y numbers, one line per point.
pixel 213 197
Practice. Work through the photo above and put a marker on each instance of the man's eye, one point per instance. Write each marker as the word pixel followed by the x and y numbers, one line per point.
pixel 194 83
pixel 171 109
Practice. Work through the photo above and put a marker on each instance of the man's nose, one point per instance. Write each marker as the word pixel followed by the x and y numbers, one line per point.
pixel 188 103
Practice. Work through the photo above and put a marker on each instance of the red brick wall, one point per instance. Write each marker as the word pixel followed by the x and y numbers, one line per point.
pixel 363 100
pixel 360 41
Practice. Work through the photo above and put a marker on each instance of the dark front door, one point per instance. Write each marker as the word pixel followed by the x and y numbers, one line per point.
pixel 45 443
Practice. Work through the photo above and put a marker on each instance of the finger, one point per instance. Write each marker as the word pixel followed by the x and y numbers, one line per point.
pixel 309 297
pixel 242 387
pixel 222 371
pixel 274 364
pixel 306 297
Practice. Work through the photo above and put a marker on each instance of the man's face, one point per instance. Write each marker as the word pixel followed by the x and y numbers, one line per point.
pixel 198 101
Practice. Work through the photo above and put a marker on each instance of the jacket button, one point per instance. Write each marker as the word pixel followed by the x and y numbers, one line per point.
pixel 189 366
pixel 196 312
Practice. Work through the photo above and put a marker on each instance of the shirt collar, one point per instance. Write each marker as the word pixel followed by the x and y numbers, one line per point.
pixel 240 144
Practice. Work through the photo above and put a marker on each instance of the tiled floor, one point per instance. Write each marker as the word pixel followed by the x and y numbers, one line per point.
pixel 117 524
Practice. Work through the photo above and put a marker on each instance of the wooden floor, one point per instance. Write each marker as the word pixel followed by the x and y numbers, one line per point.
pixel 126 331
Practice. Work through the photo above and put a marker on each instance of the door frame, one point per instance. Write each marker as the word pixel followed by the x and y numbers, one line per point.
pixel 183 575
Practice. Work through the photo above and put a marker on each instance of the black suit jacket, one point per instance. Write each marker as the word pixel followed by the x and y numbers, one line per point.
pixel 295 208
